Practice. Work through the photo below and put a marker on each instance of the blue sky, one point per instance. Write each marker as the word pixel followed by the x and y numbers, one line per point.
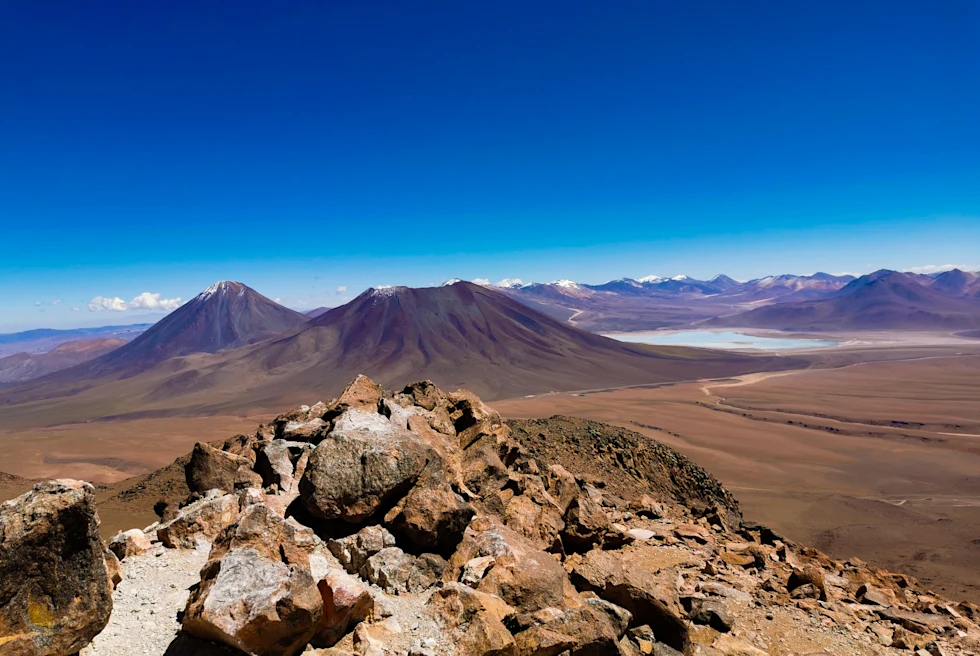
pixel 304 147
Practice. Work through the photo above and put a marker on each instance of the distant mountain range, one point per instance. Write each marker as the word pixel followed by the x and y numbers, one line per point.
pixel 42 340
pixel 27 366
pixel 654 302
pixel 946 300
pixel 879 301
pixel 215 354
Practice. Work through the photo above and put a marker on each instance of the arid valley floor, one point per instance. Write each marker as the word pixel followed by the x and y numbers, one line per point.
pixel 873 451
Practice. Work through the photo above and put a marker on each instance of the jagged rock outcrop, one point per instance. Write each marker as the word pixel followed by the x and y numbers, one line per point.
pixel 55 590
pixel 419 522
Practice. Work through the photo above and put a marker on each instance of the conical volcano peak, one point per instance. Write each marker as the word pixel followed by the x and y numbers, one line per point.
pixel 224 287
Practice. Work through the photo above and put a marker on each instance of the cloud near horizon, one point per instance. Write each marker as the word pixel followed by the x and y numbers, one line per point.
pixel 145 301
pixel 937 268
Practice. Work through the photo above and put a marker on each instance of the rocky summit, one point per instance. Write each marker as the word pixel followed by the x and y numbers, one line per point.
pixel 418 523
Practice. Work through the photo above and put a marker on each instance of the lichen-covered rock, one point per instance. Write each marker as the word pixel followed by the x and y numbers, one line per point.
pixel 257 591
pixel 55 591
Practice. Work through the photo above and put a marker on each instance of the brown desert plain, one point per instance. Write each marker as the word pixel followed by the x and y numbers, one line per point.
pixel 872 450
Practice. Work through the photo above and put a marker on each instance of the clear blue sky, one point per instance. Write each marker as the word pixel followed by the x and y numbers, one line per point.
pixel 305 146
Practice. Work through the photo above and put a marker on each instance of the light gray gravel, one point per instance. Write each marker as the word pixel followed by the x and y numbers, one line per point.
pixel 145 604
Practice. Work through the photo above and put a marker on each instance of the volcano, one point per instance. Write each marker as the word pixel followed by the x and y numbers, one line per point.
pixel 460 335
pixel 465 335
pixel 224 316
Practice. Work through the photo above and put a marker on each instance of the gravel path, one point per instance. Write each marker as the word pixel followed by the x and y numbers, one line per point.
pixel 145 604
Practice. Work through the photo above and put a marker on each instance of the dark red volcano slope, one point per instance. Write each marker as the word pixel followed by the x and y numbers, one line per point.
pixel 883 300
pixel 464 335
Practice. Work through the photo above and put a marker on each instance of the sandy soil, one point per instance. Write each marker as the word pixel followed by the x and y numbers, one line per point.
pixel 877 460
pixel 110 451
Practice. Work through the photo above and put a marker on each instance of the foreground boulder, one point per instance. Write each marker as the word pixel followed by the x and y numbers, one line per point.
pixel 365 462
pixel 257 592
pixel 54 587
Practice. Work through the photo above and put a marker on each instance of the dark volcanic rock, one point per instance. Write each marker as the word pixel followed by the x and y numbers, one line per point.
pixel 54 586
pixel 625 459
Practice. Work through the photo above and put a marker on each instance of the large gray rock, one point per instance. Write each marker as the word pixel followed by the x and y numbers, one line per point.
pixel 364 463
pixel 54 586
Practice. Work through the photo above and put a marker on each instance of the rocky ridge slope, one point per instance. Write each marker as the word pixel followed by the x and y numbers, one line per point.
pixel 419 523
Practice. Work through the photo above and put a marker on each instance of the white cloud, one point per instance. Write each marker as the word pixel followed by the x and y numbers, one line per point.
pixel 39 303
pixel 145 301
pixel 485 282
pixel 100 303
pixel 148 301
pixel 937 268
pixel 75 309
pixel 341 290
pixel 56 301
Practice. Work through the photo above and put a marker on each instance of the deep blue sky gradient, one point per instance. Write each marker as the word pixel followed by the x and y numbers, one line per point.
pixel 304 146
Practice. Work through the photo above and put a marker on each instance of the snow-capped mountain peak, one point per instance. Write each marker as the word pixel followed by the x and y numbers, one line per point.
pixel 510 283
pixel 566 284
pixel 223 286
pixel 649 279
